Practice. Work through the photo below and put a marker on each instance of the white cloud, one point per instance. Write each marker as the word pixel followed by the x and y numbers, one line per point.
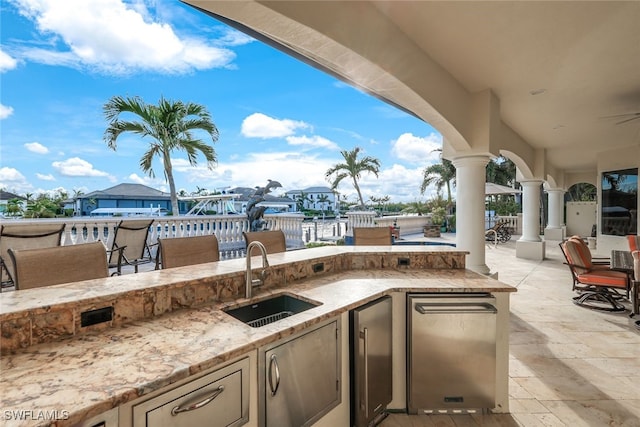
pixel 149 182
pixel 13 180
pixel 6 62
pixel 76 166
pixel 313 141
pixel 45 177
pixel 259 125
pixel 5 111
pixel 114 36
pixel 235 38
pixel 414 149
pixel 36 147
pixel 294 170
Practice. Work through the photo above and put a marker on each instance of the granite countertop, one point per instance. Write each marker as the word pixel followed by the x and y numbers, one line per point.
pixel 92 373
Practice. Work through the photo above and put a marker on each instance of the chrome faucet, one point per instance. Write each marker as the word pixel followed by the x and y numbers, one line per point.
pixel 251 282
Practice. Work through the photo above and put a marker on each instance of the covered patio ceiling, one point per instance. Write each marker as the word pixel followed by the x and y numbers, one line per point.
pixel 565 74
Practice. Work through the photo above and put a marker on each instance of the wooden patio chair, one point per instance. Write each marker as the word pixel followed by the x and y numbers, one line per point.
pixel 273 241
pixel 372 236
pixel 181 251
pixel 130 245
pixel 634 242
pixel 598 286
pixel 18 236
pixel 59 264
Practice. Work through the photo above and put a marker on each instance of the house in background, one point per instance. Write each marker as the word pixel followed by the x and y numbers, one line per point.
pixel 316 198
pixel 125 198
pixel 5 197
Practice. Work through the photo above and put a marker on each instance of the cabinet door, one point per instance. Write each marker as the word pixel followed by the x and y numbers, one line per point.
pixel 219 399
pixel 302 378
pixel 372 362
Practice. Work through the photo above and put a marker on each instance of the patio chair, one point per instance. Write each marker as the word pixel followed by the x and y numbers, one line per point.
pixel 273 241
pixel 59 264
pixel 372 236
pixel 498 233
pixel 181 251
pixel 20 236
pixel 634 242
pixel 597 285
pixel 130 245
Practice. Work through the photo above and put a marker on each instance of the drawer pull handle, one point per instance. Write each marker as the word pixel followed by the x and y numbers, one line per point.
pixel 273 367
pixel 197 405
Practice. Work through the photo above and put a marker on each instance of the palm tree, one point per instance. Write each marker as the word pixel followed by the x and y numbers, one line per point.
pixel 442 175
pixel 353 168
pixel 169 126
pixel 582 192
pixel 323 199
pixel 417 207
pixel 303 197
pixel 501 171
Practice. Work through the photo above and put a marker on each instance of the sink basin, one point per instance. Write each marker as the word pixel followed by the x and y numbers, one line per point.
pixel 270 310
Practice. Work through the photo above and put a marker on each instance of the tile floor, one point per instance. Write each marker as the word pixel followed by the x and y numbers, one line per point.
pixel 569 366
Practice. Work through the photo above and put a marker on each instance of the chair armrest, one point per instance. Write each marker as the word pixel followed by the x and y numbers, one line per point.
pixel 120 251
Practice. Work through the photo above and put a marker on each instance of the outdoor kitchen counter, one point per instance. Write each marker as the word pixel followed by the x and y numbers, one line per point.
pixel 90 373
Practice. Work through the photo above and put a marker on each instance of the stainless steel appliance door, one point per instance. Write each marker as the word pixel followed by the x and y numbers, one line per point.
pixel 302 378
pixel 372 364
pixel 452 352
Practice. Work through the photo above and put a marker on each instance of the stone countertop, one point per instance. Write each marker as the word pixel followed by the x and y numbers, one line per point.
pixel 87 375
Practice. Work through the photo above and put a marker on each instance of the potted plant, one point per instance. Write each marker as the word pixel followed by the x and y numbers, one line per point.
pixel 452 223
pixel 438 217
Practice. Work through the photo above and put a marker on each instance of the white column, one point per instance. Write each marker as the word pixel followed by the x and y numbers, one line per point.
pixel 530 245
pixel 470 179
pixel 555 229
pixel 556 208
pixel 531 211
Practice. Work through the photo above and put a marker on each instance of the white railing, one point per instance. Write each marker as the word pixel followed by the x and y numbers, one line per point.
pixel 513 222
pixel 227 228
pixel 359 219
pixel 409 224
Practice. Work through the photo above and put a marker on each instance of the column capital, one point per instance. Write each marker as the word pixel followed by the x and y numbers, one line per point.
pixel 471 160
pixel 556 190
pixel 531 182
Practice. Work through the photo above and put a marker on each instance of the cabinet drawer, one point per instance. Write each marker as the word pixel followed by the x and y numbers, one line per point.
pixel 219 399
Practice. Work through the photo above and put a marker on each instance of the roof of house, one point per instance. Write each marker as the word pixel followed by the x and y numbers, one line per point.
pixel 316 189
pixel 127 191
pixel 6 195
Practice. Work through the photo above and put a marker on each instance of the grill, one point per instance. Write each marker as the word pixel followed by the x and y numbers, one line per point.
pixel 269 319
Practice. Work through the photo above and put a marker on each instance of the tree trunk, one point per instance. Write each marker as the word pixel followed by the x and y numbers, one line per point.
pixel 357 187
pixel 172 185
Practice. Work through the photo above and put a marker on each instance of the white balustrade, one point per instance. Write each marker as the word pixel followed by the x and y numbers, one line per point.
pixel 360 219
pixel 408 224
pixel 227 228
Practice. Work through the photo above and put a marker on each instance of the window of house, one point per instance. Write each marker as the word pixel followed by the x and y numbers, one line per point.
pixel 619 207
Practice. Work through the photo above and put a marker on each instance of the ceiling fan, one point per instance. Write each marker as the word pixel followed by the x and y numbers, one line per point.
pixel 627 117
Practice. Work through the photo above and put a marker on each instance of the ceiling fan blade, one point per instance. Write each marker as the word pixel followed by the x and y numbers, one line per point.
pixel 628 120
pixel 621 115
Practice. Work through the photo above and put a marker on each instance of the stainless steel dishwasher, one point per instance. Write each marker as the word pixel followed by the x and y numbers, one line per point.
pixel 451 354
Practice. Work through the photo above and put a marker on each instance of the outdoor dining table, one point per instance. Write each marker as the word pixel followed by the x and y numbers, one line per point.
pixel 623 261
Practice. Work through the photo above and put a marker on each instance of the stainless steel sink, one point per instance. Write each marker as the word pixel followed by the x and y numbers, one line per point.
pixel 270 310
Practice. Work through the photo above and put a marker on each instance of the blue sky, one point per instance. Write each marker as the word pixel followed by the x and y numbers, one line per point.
pixel 280 119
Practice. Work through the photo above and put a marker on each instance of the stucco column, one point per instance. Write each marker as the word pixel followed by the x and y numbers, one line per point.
pixel 470 179
pixel 531 211
pixel 555 229
pixel 530 245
